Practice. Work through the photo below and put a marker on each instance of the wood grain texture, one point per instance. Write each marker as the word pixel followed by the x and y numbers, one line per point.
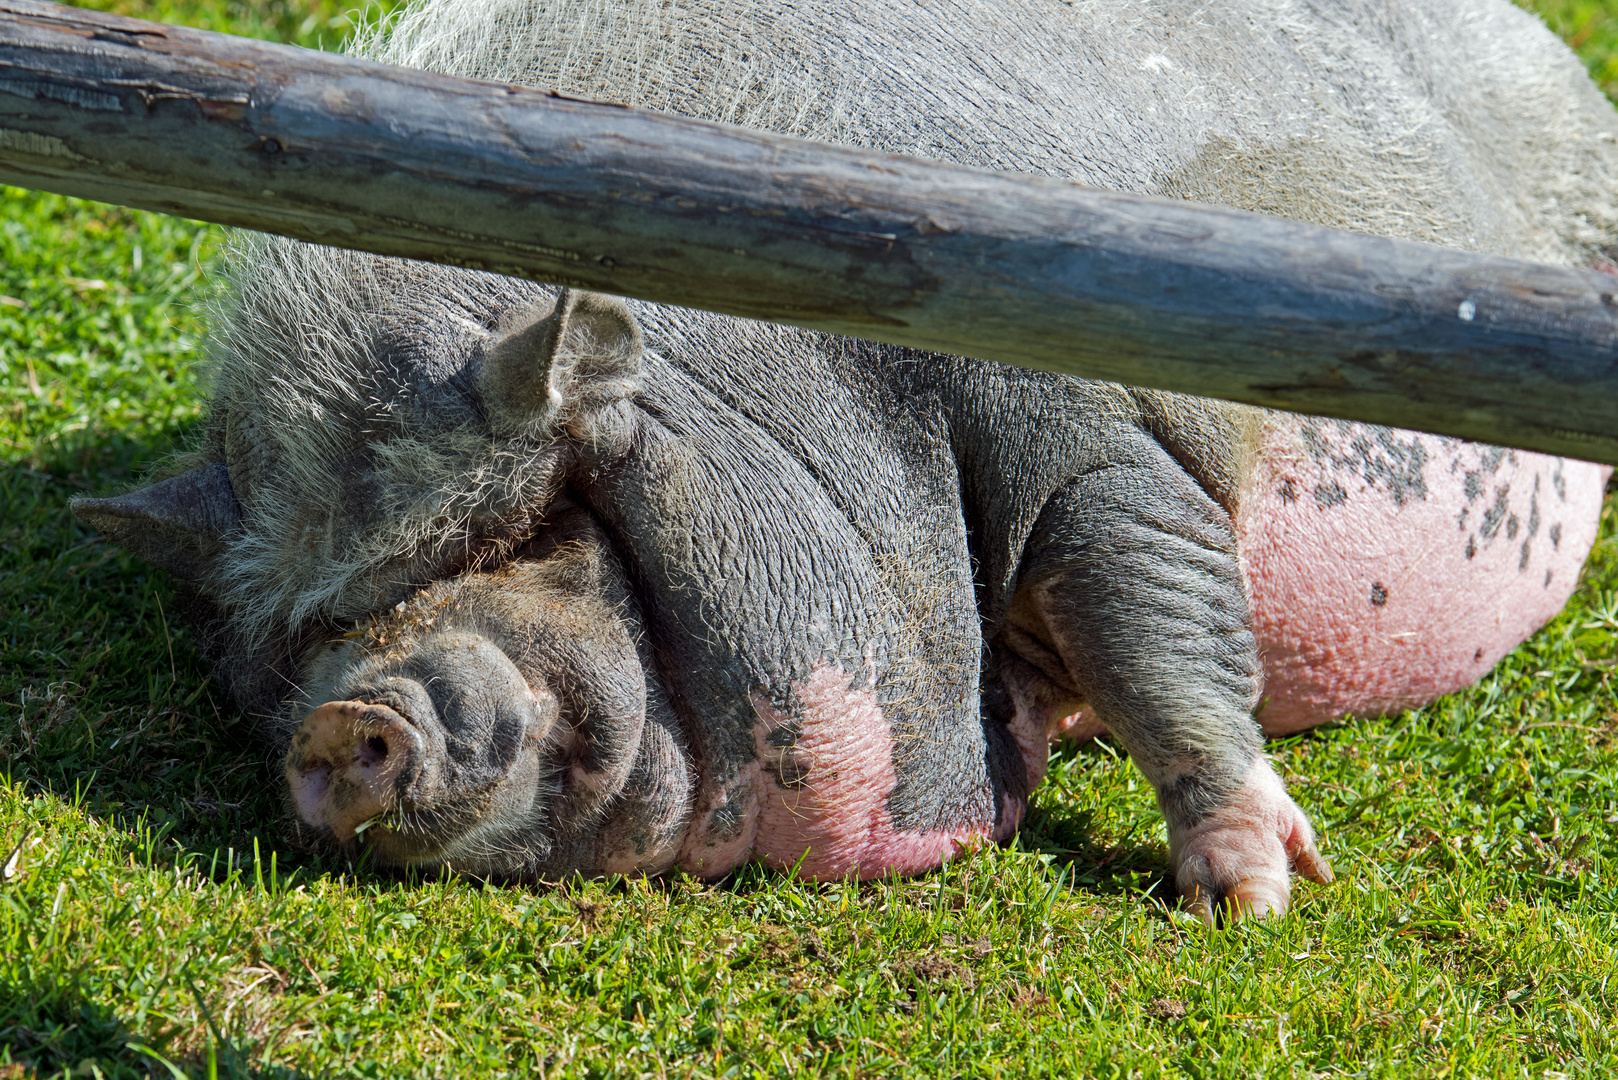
pixel 1018 269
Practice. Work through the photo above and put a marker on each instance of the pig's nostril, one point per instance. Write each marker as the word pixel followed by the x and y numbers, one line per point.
pixel 350 761
pixel 373 751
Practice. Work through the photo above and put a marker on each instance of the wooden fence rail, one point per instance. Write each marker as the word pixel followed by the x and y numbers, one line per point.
pixel 1022 270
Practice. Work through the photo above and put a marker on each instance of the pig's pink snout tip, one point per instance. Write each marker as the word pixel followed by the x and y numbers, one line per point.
pixel 348 763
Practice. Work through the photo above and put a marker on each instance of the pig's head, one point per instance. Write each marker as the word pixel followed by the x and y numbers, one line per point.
pixel 377 532
pixel 501 722
pixel 378 429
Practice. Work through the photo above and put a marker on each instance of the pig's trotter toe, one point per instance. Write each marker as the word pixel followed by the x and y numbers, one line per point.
pixel 1237 861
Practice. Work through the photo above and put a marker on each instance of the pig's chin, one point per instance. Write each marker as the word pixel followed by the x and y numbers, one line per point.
pixel 501 832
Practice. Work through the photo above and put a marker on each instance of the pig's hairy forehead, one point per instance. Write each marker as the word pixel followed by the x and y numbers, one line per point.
pixel 301 324
pixel 344 409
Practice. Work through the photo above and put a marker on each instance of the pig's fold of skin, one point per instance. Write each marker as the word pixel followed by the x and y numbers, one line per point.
pixel 529 581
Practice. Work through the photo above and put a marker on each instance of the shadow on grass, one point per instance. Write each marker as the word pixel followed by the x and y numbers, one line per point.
pixel 1093 866
pixel 1074 839
pixel 103 696
pixel 102 462
pixel 58 1027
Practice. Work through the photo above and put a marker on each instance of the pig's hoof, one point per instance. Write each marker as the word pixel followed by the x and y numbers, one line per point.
pixel 1237 862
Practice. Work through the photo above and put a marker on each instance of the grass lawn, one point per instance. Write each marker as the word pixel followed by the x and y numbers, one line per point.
pixel 157 919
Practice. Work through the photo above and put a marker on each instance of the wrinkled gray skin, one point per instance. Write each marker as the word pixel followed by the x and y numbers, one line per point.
pixel 561 583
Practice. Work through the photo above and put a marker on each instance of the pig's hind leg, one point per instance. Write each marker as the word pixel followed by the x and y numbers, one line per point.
pixel 1130 597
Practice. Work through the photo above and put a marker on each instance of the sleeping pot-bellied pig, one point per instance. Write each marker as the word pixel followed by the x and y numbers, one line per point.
pixel 526 581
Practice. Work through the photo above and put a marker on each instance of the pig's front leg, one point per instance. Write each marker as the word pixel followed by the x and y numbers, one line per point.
pixel 1130 599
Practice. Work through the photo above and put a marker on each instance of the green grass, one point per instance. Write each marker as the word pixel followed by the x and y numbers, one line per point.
pixel 1591 27
pixel 158 919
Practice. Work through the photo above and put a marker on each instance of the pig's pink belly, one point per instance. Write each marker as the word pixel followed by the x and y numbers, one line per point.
pixel 819 807
pixel 1388 567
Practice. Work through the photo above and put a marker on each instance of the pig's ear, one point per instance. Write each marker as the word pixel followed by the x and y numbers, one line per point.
pixel 178 525
pixel 560 365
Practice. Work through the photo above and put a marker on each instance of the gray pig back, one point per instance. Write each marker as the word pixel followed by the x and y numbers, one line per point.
pixel 1447 122
pixel 1463 123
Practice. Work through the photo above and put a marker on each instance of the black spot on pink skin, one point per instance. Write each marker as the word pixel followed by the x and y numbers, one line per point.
pixel 1547 579
pixel 1559 482
pixel 1512 525
pixel 1522 563
pixel 1330 495
pixel 1377 456
pixel 789 771
pixel 1556 535
pixel 1288 493
pixel 1379 594
pixel 1477 657
pixel 1474 486
pixel 726 822
pixel 1471 546
pixel 1533 513
pixel 1495 516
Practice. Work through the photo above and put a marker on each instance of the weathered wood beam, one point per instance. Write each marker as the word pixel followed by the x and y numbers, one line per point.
pixel 1022 270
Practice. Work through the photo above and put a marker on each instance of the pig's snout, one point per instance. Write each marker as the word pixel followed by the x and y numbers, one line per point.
pixel 440 744
pixel 351 761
